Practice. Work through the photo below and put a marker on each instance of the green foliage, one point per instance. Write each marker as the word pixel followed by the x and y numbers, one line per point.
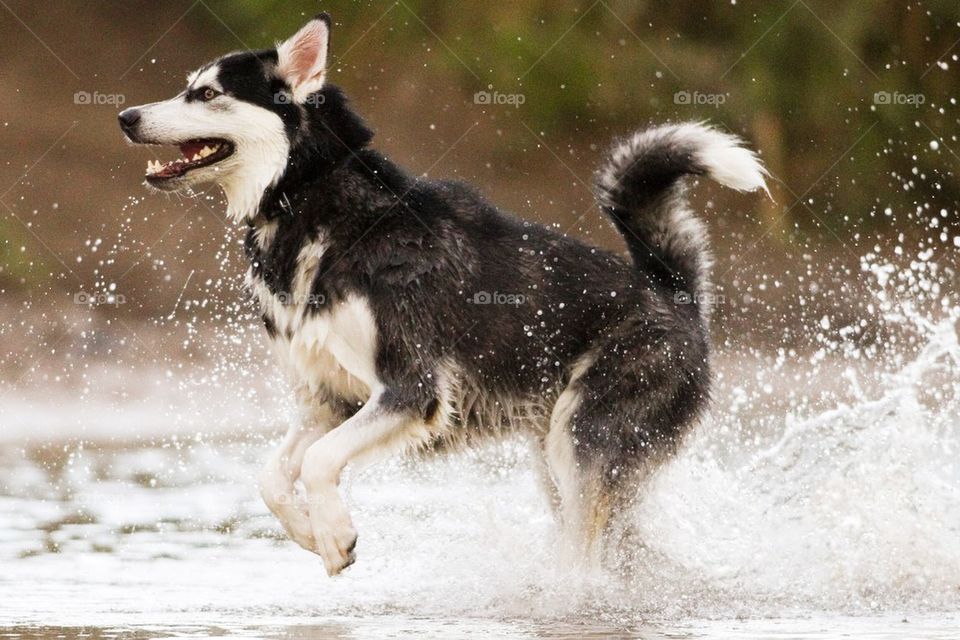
pixel 14 268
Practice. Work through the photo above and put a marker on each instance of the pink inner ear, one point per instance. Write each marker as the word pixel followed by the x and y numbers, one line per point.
pixel 301 57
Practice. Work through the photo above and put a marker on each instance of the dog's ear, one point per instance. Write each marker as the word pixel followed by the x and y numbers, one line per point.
pixel 302 60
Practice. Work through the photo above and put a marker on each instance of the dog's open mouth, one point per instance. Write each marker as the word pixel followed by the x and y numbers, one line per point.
pixel 196 154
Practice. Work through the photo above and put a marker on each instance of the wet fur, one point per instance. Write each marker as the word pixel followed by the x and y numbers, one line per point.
pixel 420 252
pixel 370 283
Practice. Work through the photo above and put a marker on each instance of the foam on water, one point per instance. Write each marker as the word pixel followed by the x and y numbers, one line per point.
pixel 854 509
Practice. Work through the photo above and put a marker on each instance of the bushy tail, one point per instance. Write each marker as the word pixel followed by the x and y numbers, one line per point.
pixel 641 189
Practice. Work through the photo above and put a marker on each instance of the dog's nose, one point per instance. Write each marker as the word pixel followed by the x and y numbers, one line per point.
pixel 129 118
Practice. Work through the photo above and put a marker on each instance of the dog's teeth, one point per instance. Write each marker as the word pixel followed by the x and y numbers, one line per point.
pixel 196 157
pixel 206 151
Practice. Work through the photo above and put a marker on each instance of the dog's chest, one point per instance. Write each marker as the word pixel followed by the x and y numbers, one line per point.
pixel 328 346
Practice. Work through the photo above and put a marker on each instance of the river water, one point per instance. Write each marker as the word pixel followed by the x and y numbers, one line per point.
pixel 819 499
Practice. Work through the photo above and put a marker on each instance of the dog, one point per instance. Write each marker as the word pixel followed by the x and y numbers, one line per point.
pixel 412 314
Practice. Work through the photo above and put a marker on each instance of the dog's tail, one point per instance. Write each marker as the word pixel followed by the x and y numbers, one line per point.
pixel 641 189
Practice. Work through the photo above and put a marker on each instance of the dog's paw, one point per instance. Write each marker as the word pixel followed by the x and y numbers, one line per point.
pixel 337 548
pixel 301 532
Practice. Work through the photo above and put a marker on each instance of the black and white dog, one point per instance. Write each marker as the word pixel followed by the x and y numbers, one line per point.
pixel 377 292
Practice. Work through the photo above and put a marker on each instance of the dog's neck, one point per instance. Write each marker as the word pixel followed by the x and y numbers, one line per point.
pixel 273 202
pixel 278 200
pixel 246 194
pixel 267 189
pixel 273 206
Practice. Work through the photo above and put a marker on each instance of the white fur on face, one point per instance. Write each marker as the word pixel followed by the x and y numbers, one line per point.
pixel 205 77
pixel 261 147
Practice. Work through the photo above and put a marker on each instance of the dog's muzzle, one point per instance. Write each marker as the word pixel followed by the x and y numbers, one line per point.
pixel 129 120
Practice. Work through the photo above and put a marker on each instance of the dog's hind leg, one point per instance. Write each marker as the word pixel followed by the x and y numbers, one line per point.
pixel 543 475
pixel 597 484
pixel 621 415
pixel 280 474
pixel 383 425
pixel 584 507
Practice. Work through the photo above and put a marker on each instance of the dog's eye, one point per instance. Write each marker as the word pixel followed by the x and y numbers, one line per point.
pixel 209 94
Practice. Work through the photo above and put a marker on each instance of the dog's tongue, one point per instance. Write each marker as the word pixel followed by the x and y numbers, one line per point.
pixel 190 149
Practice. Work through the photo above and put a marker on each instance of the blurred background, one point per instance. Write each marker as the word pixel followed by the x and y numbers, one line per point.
pixel 852 106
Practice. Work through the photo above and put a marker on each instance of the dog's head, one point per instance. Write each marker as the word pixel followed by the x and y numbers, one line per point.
pixel 248 118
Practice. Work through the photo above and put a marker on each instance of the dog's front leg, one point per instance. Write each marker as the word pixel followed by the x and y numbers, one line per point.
pixel 372 432
pixel 280 474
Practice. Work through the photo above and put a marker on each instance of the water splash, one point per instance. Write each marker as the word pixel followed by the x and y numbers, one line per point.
pixel 854 508
pixel 846 502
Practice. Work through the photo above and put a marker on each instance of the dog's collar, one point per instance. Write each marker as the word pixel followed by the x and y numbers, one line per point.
pixel 277 208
